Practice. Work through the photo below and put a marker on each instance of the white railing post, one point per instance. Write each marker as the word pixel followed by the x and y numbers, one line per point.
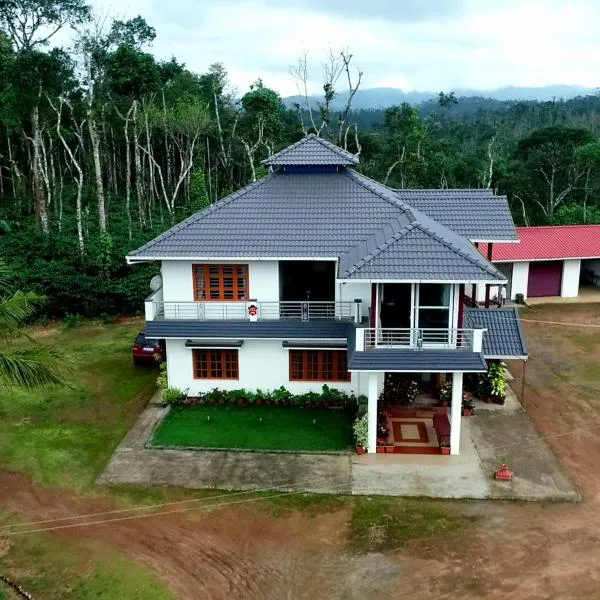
pixel 478 339
pixel 360 339
pixel 149 310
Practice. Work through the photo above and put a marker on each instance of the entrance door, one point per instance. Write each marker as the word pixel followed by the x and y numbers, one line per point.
pixel 544 278
pixel 395 305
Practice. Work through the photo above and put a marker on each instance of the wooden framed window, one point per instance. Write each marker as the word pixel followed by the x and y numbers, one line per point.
pixel 318 365
pixel 215 364
pixel 220 282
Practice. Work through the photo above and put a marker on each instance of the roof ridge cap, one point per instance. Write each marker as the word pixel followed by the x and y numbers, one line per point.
pixel 452 246
pixel 366 183
pixel 383 246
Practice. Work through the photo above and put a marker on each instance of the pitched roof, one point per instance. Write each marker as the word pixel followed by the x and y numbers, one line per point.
pixel 477 214
pixel 328 214
pixel 549 243
pixel 504 337
pixel 312 151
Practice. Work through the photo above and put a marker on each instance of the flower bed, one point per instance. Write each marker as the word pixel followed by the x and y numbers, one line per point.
pixel 328 398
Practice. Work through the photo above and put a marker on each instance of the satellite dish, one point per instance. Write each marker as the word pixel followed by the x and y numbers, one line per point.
pixel 156 283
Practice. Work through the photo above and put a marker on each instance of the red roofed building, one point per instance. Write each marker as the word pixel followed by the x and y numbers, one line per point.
pixel 549 261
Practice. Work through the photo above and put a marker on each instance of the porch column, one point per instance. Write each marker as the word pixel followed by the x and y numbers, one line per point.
pixel 372 412
pixel 455 411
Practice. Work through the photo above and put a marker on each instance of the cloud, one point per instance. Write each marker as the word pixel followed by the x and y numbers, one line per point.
pixel 415 44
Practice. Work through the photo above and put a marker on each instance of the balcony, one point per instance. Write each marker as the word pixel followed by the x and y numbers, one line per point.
pixel 253 311
pixel 418 339
pixel 417 350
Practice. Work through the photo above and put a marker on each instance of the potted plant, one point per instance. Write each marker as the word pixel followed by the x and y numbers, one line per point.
pixel 467 405
pixel 361 433
pixel 445 447
pixel 445 393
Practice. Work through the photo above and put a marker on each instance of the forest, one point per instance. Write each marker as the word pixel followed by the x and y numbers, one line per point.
pixel 103 146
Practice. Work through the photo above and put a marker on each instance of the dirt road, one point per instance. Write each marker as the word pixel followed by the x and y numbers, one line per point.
pixel 510 551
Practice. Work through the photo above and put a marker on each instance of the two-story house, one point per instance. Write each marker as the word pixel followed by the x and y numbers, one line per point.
pixel 317 274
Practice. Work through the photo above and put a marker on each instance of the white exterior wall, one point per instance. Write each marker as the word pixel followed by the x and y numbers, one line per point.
pixel 348 292
pixel 263 364
pixel 570 278
pixel 520 278
pixel 178 283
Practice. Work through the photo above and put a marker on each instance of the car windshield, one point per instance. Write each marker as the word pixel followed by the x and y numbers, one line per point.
pixel 144 341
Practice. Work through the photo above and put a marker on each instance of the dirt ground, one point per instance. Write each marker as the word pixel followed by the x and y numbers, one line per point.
pixel 511 551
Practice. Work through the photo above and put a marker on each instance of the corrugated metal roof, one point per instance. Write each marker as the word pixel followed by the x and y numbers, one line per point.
pixel 552 242
pixel 477 214
pixel 311 151
pixel 194 329
pixel 504 337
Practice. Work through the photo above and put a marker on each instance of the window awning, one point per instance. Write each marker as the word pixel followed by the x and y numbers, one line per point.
pixel 300 345
pixel 214 343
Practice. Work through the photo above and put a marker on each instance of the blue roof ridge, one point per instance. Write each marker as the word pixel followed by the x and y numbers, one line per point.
pixel 352 158
pixel 203 213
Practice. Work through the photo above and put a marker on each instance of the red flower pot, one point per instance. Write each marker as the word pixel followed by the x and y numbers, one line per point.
pixel 241 402
pixel 360 450
pixel 503 474
pixel 467 412
pixel 445 450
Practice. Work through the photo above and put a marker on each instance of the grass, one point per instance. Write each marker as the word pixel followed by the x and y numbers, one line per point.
pixel 64 436
pixel 384 523
pixel 256 428
pixel 48 567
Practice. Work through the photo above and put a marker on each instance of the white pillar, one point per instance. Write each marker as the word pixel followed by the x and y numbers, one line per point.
pixel 372 412
pixel 455 412
pixel 478 339
pixel 360 339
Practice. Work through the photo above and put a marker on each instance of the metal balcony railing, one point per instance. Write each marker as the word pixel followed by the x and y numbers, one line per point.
pixel 255 311
pixel 417 339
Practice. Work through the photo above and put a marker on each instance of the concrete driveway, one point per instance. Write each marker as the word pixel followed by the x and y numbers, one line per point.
pixel 494 432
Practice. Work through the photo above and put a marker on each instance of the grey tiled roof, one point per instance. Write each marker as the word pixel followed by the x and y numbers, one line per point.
pixel 194 329
pixel 504 336
pixel 339 214
pixel 311 151
pixel 477 214
pixel 409 361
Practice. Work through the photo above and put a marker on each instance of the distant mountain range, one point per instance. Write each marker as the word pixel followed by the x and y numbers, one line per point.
pixel 378 98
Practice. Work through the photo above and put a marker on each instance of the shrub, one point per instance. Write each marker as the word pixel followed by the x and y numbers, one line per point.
pixel 173 395
pixel 361 431
pixel 162 381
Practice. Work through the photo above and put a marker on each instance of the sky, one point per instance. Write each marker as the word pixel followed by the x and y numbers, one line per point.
pixel 423 45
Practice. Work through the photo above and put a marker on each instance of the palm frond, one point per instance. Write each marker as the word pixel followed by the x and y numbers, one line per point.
pixel 13 312
pixel 5 276
pixel 30 368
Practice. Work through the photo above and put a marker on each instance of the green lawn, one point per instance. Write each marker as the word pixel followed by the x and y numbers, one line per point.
pixel 65 436
pixel 256 428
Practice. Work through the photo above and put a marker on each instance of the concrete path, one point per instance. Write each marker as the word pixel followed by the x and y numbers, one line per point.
pixel 133 463
pixel 493 433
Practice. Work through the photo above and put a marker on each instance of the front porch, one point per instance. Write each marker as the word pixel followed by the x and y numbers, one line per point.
pixel 423 425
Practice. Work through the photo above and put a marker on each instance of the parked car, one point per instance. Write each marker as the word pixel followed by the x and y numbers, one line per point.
pixel 147 350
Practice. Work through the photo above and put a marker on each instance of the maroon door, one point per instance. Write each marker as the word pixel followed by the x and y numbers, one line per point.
pixel 544 278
